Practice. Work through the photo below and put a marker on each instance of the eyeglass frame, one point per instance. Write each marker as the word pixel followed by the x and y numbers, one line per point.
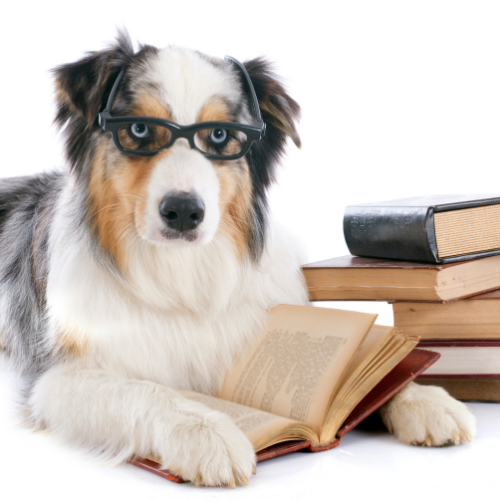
pixel 253 132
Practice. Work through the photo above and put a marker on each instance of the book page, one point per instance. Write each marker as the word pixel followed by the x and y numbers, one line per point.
pixel 294 367
pixel 376 336
pixel 260 427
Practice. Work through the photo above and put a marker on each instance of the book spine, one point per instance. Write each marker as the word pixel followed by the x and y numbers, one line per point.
pixel 401 233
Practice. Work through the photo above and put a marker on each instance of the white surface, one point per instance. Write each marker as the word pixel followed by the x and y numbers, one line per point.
pixel 399 99
pixel 365 465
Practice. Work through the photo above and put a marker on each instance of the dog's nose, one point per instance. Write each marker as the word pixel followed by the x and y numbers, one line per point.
pixel 182 211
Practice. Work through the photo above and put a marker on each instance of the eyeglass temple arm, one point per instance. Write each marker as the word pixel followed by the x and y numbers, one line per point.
pixel 114 90
pixel 255 101
pixel 106 112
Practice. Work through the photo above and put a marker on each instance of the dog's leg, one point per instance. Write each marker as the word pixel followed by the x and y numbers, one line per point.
pixel 429 416
pixel 124 417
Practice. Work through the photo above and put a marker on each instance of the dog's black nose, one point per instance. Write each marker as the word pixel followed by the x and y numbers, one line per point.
pixel 182 211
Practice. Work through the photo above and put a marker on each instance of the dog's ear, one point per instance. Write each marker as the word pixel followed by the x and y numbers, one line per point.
pixel 83 86
pixel 278 109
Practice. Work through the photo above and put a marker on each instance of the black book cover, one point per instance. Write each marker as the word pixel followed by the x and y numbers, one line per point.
pixel 404 229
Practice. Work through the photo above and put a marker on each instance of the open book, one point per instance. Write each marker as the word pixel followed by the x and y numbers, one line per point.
pixel 306 374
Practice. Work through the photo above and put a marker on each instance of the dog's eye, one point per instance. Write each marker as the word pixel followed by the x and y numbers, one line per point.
pixel 218 135
pixel 140 130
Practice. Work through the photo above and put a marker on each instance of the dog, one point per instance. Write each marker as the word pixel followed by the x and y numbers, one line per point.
pixel 148 265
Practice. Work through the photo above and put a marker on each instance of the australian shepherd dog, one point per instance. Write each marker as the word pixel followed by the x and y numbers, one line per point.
pixel 127 277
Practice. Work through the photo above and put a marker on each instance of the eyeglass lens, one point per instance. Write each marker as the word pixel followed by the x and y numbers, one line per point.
pixel 143 137
pixel 149 137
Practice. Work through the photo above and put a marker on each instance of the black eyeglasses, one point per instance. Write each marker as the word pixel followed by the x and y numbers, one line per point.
pixel 217 140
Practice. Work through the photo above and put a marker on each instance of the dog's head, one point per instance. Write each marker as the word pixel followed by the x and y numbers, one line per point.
pixel 178 195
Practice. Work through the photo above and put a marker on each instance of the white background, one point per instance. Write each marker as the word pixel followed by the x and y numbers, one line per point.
pixel 398 99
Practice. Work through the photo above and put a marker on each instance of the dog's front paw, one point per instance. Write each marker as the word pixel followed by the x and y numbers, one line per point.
pixel 206 447
pixel 429 416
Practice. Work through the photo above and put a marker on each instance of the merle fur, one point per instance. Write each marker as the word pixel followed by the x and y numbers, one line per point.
pixel 26 208
pixel 280 112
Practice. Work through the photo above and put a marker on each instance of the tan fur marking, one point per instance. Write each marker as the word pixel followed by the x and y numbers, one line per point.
pixel 214 111
pixel 234 202
pixel 62 96
pixel 147 105
pixel 118 200
pixel 277 118
pixel 73 341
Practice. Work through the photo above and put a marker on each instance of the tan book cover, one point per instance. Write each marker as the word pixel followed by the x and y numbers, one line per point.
pixel 475 318
pixel 468 389
pixel 360 278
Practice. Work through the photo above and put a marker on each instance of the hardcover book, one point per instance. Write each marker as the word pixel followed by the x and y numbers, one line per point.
pixel 484 390
pixel 360 278
pixel 464 359
pixel 400 376
pixel 475 318
pixel 437 229
pixel 310 370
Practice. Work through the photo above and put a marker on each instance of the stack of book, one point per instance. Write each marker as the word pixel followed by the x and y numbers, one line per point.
pixel 467 335
pixel 442 279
